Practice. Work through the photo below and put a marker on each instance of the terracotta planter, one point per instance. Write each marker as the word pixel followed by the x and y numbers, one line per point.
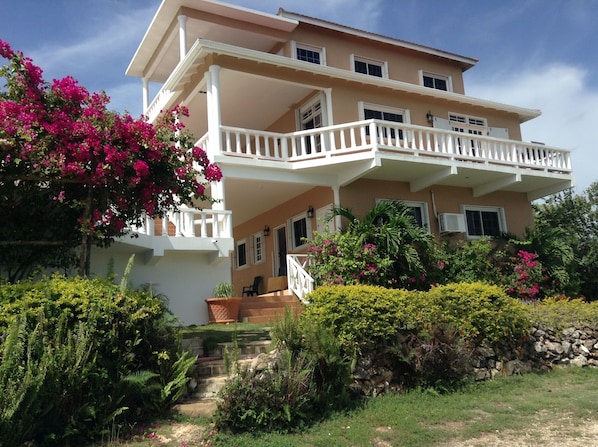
pixel 223 310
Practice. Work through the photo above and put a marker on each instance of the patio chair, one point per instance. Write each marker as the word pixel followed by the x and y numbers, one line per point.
pixel 252 289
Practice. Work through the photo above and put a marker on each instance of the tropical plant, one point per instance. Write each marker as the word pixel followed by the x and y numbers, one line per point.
pixel 386 245
pixel 223 290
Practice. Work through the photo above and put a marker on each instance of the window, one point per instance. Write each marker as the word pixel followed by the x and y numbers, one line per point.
pixel 241 253
pixel 258 248
pixel 471 125
pixel 439 82
pixel 484 221
pixel 300 228
pixel 310 117
pixel 419 210
pixel 371 111
pixel 369 66
pixel 308 53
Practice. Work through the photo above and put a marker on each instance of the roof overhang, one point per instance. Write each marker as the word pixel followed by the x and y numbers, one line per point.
pixel 166 15
pixel 203 48
pixel 465 61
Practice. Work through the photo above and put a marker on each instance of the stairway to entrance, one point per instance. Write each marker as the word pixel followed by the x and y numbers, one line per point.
pixel 268 307
pixel 210 372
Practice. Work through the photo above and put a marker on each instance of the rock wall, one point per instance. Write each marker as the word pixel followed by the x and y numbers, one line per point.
pixel 545 348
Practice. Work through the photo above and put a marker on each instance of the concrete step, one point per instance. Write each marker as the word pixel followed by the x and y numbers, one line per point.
pixel 269 307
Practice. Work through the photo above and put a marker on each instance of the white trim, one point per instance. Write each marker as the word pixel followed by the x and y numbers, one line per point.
pixel 202 48
pixel 382 64
pixel 238 244
pixel 291 232
pixel 304 46
pixel 380 108
pixel 258 256
pixel 502 222
pixel 447 78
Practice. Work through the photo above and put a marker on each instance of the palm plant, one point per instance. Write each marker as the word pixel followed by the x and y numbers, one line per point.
pixel 390 226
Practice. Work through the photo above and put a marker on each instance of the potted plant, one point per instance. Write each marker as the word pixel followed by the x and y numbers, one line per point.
pixel 223 307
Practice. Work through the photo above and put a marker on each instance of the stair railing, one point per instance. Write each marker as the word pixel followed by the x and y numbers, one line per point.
pixel 300 282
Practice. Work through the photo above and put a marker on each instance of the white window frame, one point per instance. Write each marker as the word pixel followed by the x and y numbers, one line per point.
pixel 291 232
pixel 382 64
pixel 303 46
pixel 258 248
pixel 241 244
pixel 423 207
pixel 405 113
pixel 396 110
pixel 446 78
pixel 502 222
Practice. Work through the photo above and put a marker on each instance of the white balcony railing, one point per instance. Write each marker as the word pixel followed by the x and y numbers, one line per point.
pixel 300 282
pixel 390 137
pixel 191 222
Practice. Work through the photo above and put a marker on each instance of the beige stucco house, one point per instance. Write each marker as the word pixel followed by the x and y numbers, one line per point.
pixel 302 115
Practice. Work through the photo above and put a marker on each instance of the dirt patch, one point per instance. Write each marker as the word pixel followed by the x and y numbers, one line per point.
pixel 178 433
pixel 560 431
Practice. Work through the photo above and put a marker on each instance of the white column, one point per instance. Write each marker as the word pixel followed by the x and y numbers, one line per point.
pixel 214 115
pixel 182 36
pixel 337 203
pixel 145 83
pixel 214 132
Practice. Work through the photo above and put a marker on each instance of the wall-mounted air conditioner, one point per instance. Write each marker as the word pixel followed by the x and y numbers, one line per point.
pixel 451 223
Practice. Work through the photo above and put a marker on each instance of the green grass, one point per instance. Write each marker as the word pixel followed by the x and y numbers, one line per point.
pixel 563 400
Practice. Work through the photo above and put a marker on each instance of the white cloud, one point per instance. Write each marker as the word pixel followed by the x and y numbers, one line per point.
pixel 568 105
pixel 106 42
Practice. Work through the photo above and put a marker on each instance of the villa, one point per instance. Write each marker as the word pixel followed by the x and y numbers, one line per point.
pixel 303 115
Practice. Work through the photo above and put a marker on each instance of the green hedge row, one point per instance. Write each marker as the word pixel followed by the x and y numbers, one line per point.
pixel 363 315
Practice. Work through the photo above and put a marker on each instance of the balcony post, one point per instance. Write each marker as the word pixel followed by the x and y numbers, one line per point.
pixel 214 113
pixel 145 84
pixel 182 36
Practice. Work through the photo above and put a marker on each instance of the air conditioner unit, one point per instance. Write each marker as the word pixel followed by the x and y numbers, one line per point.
pixel 451 223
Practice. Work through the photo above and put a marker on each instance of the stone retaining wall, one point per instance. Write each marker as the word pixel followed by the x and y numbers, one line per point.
pixel 544 349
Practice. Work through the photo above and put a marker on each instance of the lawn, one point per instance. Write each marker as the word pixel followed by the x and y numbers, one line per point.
pixel 550 409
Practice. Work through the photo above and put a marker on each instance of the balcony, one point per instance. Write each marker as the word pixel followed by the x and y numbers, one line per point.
pixel 420 155
pixel 189 229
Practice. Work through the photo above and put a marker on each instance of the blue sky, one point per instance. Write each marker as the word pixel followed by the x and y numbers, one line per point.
pixel 539 54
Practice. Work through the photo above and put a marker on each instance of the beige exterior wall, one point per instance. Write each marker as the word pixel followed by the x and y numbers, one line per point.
pixel 361 196
pixel 276 217
pixel 403 64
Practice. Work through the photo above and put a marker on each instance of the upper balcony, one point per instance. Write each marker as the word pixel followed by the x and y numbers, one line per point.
pixel 419 155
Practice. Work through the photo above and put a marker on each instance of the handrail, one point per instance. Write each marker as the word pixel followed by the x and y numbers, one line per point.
pixel 191 222
pixel 391 137
pixel 300 282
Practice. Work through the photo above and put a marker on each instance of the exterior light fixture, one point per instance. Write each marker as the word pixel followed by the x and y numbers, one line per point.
pixel 266 230
pixel 310 212
pixel 430 117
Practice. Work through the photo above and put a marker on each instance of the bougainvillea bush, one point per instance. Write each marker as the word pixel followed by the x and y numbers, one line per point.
pixel 73 173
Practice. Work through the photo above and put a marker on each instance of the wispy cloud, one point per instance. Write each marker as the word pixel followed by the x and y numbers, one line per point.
pixel 568 105
pixel 100 48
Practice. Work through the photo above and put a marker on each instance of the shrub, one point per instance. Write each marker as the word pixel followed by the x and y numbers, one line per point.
pixel 99 344
pixel 436 357
pixel 308 381
pixel 481 312
pixel 560 313
pixel 357 315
